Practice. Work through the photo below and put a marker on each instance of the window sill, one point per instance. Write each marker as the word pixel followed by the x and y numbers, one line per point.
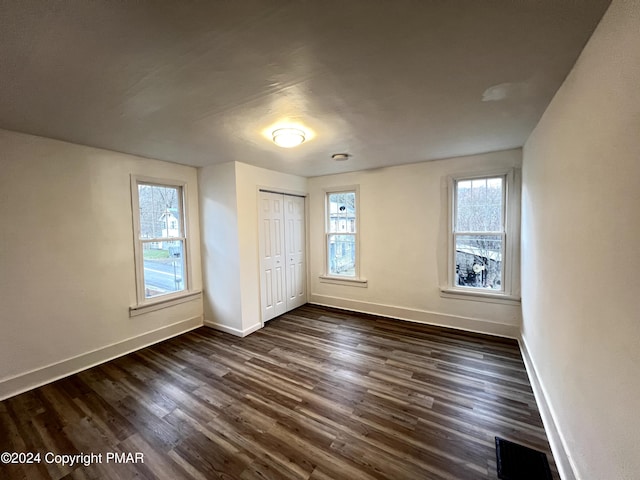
pixel 479 296
pixel 164 303
pixel 351 282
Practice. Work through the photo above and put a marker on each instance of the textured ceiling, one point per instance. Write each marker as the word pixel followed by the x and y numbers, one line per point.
pixel 200 83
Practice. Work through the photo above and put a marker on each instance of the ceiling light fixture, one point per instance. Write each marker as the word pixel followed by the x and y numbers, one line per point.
pixel 288 137
pixel 340 156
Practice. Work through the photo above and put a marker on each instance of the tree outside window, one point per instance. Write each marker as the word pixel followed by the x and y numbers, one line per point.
pixel 479 232
pixel 161 239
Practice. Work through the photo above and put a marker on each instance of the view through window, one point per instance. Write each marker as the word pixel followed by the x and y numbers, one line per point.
pixel 161 239
pixel 341 234
pixel 479 233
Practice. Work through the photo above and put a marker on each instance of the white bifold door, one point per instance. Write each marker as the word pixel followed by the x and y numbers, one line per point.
pixel 282 253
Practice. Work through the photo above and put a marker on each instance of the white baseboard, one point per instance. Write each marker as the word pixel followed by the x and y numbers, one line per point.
pixel 41 376
pixel 419 316
pixel 233 331
pixel 566 469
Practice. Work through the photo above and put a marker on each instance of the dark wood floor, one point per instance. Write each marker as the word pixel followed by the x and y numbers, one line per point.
pixel 317 394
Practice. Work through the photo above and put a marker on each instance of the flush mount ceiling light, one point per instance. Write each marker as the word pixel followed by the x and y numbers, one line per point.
pixel 340 156
pixel 288 137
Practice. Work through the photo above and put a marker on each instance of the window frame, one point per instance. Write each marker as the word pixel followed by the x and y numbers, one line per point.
pixel 328 277
pixel 183 224
pixel 510 291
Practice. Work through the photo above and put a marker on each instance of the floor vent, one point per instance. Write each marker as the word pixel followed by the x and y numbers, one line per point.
pixel 517 462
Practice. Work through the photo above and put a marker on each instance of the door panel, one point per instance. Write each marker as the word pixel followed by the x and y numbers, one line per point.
pixel 295 251
pixel 272 261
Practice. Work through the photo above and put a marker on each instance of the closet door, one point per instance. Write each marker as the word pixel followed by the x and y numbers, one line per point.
pixel 272 255
pixel 295 248
pixel 283 276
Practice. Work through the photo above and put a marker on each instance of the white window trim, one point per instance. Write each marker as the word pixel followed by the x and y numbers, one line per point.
pixel 356 280
pixel 144 304
pixel 511 264
pixel 346 281
pixel 136 310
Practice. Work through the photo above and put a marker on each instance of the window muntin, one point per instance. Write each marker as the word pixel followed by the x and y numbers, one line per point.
pixel 160 240
pixel 479 236
pixel 341 234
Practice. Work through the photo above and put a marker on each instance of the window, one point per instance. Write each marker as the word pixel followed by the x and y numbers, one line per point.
pixel 160 239
pixel 342 234
pixel 483 235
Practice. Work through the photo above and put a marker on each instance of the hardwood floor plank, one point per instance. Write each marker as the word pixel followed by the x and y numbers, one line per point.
pixel 317 394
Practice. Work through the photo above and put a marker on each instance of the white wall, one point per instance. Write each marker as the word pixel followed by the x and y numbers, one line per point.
pixel 229 218
pixel 67 273
pixel 220 246
pixel 580 251
pixel 403 243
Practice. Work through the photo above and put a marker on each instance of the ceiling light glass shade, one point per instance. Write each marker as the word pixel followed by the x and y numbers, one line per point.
pixel 288 137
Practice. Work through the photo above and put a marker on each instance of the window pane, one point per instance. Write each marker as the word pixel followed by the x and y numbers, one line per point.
pixel 342 255
pixel 159 211
pixel 479 261
pixel 479 205
pixel 342 212
pixel 163 267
